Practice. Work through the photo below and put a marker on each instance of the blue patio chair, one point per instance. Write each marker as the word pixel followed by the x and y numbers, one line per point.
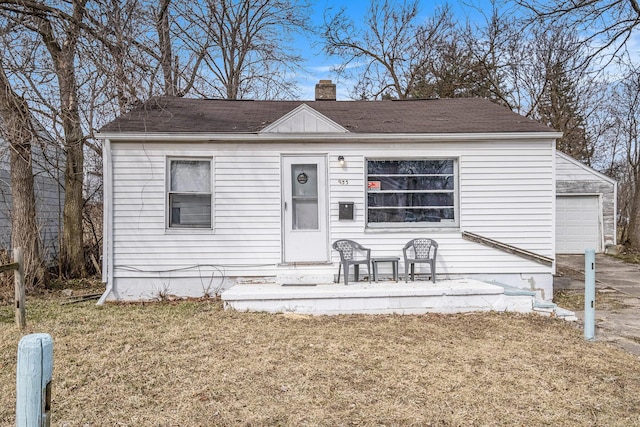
pixel 418 251
pixel 352 253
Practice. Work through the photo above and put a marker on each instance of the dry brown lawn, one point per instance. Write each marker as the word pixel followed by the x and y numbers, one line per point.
pixel 573 299
pixel 191 363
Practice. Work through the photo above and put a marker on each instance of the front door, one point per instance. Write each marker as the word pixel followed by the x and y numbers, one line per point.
pixel 304 183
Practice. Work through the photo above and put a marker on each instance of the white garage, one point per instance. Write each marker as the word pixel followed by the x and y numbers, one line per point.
pixel 585 207
pixel 577 224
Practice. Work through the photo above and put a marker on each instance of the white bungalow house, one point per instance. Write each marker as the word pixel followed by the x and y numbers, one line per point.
pixel 246 197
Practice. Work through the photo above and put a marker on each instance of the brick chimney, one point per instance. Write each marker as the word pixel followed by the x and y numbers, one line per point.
pixel 325 91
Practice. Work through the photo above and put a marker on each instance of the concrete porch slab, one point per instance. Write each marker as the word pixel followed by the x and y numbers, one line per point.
pixel 447 296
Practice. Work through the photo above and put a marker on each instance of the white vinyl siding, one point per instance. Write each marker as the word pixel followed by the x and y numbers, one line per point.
pixel 567 170
pixel 505 192
pixel 246 213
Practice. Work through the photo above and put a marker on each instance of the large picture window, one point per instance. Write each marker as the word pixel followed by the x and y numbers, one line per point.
pixel 419 192
pixel 189 195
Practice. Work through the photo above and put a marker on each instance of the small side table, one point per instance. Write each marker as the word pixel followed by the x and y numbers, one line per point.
pixel 394 266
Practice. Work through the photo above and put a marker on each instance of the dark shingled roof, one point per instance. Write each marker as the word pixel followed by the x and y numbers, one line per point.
pixel 462 115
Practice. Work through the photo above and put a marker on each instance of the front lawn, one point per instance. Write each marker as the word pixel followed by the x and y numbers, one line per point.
pixel 190 363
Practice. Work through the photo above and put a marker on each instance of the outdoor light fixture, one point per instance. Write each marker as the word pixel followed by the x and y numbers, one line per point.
pixel 341 160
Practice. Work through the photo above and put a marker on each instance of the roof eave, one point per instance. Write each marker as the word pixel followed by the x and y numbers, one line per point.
pixel 322 137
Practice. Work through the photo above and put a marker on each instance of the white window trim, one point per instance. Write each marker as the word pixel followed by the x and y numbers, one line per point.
pixel 447 226
pixel 167 220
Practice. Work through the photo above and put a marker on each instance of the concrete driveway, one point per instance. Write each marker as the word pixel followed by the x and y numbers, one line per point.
pixel 617 297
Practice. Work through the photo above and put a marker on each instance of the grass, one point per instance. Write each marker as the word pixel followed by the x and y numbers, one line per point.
pixel 629 255
pixel 190 363
pixel 573 299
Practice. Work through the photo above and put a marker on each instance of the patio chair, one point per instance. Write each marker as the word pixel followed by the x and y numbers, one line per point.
pixel 352 253
pixel 419 251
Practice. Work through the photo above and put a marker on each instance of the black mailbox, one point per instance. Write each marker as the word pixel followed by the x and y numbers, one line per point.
pixel 345 210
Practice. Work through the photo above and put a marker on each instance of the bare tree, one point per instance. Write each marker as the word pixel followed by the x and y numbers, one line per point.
pixel 17 129
pixel 166 52
pixel 196 47
pixel 389 53
pixel 59 31
pixel 606 25
pixel 250 51
pixel 495 45
pixel 119 52
pixel 559 84
pixel 62 47
pixel 626 116
pixel 227 49
pixel 541 72
pixel 462 65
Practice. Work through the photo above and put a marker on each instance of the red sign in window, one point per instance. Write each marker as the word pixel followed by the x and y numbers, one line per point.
pixel 373 185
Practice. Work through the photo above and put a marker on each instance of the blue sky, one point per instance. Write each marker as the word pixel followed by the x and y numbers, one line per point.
pixel 318 66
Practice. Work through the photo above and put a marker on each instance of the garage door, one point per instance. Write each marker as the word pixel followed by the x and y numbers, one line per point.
pixel 577 224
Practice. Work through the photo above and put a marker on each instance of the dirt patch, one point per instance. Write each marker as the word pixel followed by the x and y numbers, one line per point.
pixel 629 255
pixel 617 297
pixel 606 299
pixel 194 364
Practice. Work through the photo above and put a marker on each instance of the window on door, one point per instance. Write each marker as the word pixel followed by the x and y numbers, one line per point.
pixel 416 192
pixel 189 193
pixel 304 196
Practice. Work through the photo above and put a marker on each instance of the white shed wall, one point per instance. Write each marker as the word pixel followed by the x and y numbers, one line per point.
pixel 576 179
pixel 572 170
pixel 506 192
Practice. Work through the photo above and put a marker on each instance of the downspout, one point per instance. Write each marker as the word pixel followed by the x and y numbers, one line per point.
pixel 107 221
pixel 554 184
pixel 615 213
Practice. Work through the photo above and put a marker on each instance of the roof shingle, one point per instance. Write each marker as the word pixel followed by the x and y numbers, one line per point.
pixel 460 115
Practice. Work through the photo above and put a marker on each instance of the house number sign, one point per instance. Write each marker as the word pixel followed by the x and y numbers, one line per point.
pixel 343 181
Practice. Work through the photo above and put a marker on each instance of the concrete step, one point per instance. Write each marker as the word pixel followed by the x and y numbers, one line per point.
pixel 512 290
pixel 552 310
pixel 447 296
